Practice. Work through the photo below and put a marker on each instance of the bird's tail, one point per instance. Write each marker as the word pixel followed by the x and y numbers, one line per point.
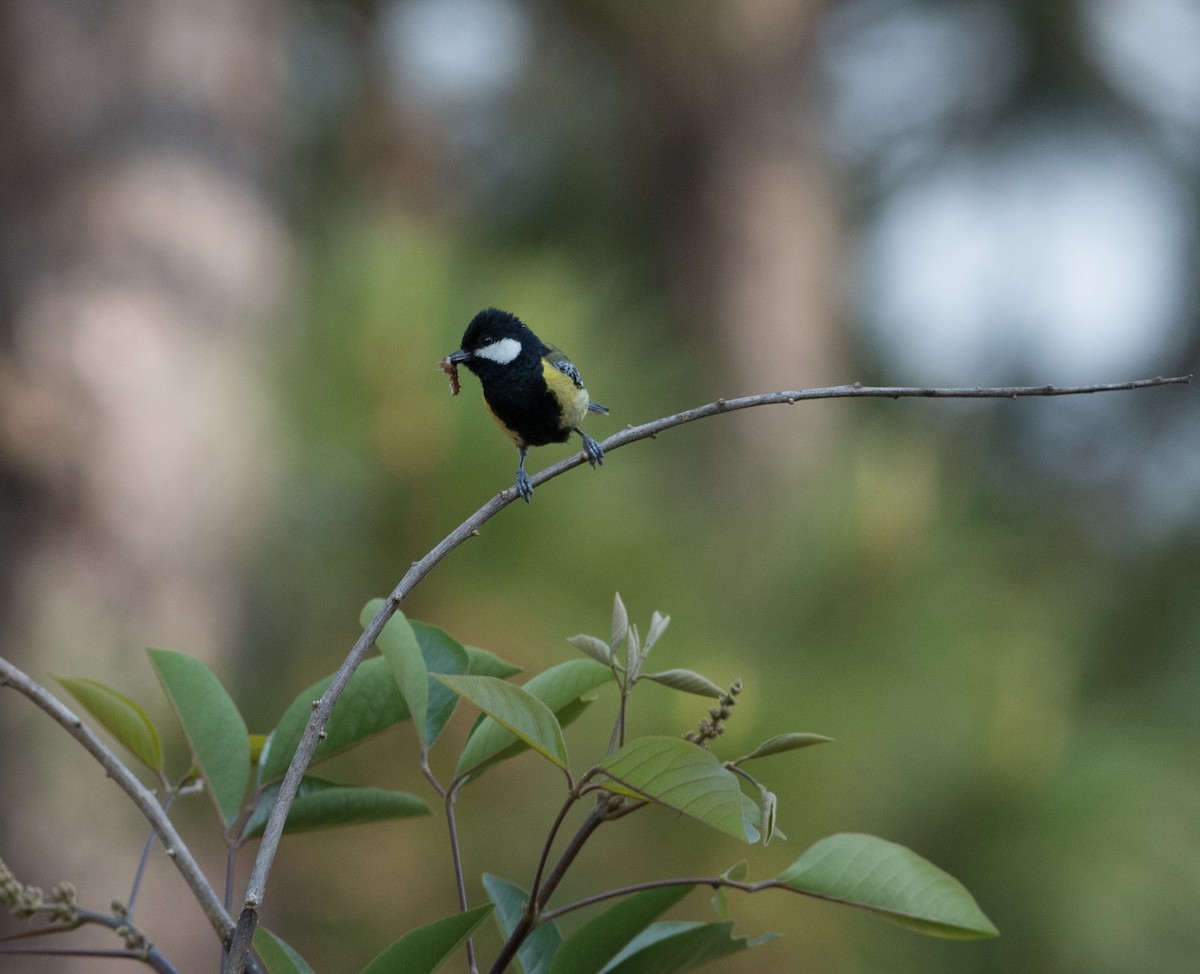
pixel 595 407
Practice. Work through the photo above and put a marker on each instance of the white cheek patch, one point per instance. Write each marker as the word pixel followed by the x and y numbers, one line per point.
pixel 501 352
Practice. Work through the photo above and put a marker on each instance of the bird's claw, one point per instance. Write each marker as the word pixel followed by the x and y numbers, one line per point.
pixel 593 450
pixel 524 487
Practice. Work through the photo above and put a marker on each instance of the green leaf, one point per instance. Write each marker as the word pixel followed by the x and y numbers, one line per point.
pixel 215 730
pixel 687 681
pixel 620 621
pixel 752 818
pixel 770 808
pixel 633 650
pixel 673 772
pixel 562 688
pixel 322 804
pixel 515 709
pixel 675 947
pixel 539 948
pixel 369 704
pixel 658 625
pixel 438 653
pixel 398 644
pixel 483 663
pixel 121 717
pixel 781 743
pixel 590 948
pixel 425 949
pixel 594 647
pixel 877 875
pixel 279 957
pixel 443 654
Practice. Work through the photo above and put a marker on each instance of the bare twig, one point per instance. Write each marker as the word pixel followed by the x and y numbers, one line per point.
pixel 256 888
pixel 144 951
pixel 154 960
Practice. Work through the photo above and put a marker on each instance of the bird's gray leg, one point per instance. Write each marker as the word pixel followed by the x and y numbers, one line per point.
pixel 524 487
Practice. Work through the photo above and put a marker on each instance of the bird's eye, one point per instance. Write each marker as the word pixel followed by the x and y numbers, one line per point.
pixel 486 341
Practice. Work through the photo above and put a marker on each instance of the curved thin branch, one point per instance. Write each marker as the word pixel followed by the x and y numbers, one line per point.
pixel 256 888
pixel 154 960
pixel 145 800
pixel 149 955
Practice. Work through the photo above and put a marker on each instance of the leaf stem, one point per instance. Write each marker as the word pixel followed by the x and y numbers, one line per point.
pixel 167 802
pixel 567 805
pixel 460 881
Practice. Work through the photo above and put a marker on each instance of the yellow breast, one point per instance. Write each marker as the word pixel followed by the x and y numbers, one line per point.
pixel 571 398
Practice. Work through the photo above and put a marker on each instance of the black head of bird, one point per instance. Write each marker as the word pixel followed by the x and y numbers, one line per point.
pixel 531 388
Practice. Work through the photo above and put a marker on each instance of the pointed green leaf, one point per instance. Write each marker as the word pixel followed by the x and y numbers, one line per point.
pixel 561 688
pixel 322 804
pixel 443 654
pixel 781 743
pixel 439 653
pixel 539 948
pixel 687 681
pixel 675 947
pixel 516 709
pixel 594 647
pixel 633 649
pixel 658 625
pixel 369 704
pixel 121 717
pixel 483 663
pixel 877 875
pixel 399 646
pixel 425 949
pixel 620 621
pixel 215 730
pixel 590 948
pixel 278 956
pixel 673 772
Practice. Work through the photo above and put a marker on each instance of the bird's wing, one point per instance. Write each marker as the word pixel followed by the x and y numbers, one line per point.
pixel 564 365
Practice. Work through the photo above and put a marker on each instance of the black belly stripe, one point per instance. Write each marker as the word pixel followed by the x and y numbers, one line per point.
pixel 529 411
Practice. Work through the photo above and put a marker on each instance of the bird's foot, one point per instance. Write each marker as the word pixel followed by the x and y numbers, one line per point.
pixel 524 487
pixel 594 451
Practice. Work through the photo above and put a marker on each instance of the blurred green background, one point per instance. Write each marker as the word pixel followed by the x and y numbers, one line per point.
pixel 238 238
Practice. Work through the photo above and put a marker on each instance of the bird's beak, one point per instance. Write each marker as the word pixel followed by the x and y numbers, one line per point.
pixel 459 356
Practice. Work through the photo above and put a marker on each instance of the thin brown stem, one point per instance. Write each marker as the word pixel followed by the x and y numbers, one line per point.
pixel 459 879
pixel 535 889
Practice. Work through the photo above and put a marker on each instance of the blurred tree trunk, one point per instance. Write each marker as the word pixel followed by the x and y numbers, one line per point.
pixel 141 257
pixel 748 199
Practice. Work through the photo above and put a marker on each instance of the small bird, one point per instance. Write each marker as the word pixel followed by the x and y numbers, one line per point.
pixel 531 388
